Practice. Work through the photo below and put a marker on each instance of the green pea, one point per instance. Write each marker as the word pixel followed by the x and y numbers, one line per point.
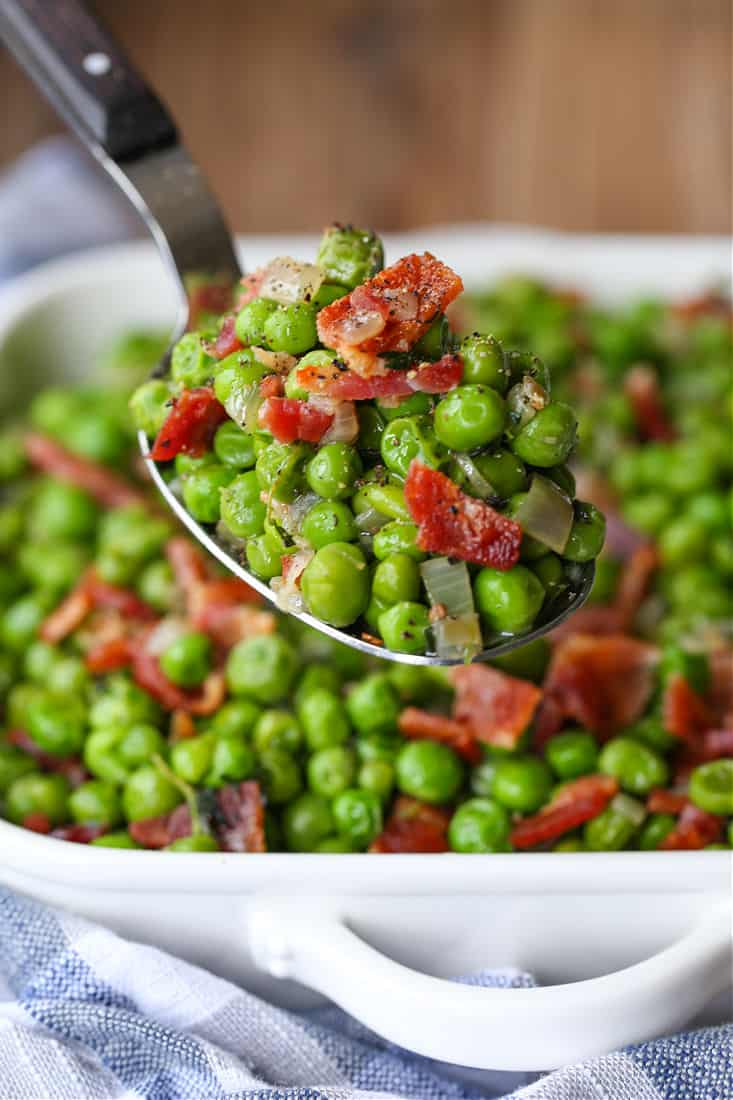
pixel 242 511
pixel 479 825
pixel 280 776
pixel 190 364
pixel 133 533
pixel 202 491
pixel 428 770
pixel 277 729
pixel 20 699
pixel 349 256
pixel 335 584
pixel 587 534
pixel 484 362
pixel 120 839
pixel 197 842
pixel 56 725
pixel 371 426
pixel 96 435
pixel 648 512
pixel 293 389
pixel 373 705
pixel 236 380
pixel 572 754
pixel 12 522
pixel 324 719
pixel 605 583
pixel 13 764
pixel 280 469
pixel 328 293
pixel 232 761
pixel 291 328
pixel 508 601
pixel 570 843
pixel 147 793
pixel 332 845
pixel 191 758
pixel 482 776
pixel 408 438
pixel 563 477
pixel 36 793
pixel 682 542
pixel 96 802
pixel 250 322
pixel 233 446
pixel 68 676
pixel 236 718
pixel 404 626
pixel 150 405
pixel 469 417
pixel 262 668
pixel 12 455
pixel 156 585
pixel 52 408
pixel 416 405
pixel 263 558
pixel 331 770
pixel 397 538
pixel 549 571
pixel 306 822
pixel 61 511
pixel 187 660
pixel 608 832
pixel 396 578
pixel 650 731
pixel 188 464
pixel 690 469
pixel 637 767
pixel 711 786
pixel 329 521
pixel 505 473
pixel 333 471
pixel 521 783
pixel 358 815
pixel 655 829
pixel 314 678
pixel 522 363
pixel 38 661
pixel 386 498
pixel 548 438
pixel 377 777
pixel 122 704
pixel 710 510
pixel 675 660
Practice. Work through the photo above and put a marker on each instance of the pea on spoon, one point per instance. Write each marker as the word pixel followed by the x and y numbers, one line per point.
pixel 91 84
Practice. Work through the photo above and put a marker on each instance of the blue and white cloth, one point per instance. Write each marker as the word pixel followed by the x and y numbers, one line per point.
pixel 85 1015
pixel 93 1017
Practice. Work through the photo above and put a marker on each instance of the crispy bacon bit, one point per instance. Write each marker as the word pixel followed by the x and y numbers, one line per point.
pixel 496 707
pixel 105 486
pixel 91 592
pixel 389 312
pixel 181 726
pixel 227 341
pixel 250 285
pixel 208 297
pixel 272 386
pixel 79 834
pixel 695 829
pixel 451 522
pixel 346 385
pixel 721 683
pixel 602 683
pixel 662 801
pixel 108 655
pixel 68 616
pixel 190 425
pixel 209 697
pixel 289 419
pixel 159 832
pixel 573 805
pixel 634 582
pixel 712 304
pixel 413 826
pixel 113 597
pixel 223 609
pixel 684 713
pixel 419 725
pixel 367 637
pixel 187 561
pixel 641 386
pixel 69 766
pixel 37 823
pixel 242 814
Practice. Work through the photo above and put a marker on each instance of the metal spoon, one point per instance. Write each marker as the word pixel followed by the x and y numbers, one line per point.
pixel 88 80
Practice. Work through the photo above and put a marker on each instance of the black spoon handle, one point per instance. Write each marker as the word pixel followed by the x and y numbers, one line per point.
pixel 85 75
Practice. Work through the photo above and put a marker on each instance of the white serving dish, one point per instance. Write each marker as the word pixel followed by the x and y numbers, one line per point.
pixel 627 945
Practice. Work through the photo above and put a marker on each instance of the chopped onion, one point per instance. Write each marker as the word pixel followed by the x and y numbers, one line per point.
pixel 287 280
pixel 290 516
pixel 525 400
pixel 226 538
pixel 345 426
pixel 278 361
pixel 163 634
pixel 366 542
pixel 546 513
pixel 404 305
pixel 362 326
pixel 243 404
pixel 288 596
pixel 448 586
pixel 458 638
pixel 629 808
pixel 370 520
pixel 478 484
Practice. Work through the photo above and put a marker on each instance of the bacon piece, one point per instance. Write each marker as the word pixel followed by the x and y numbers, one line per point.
pixel 419 725
pixel 70 767
pixel 181 726
pixel 37 823
pixel 190 425
pixel 497 707
pixel 79 834
pixel 159 832
pixel 240 825
pixel 413 826
pixel 68 616
pixel 573 805
pixel 148 675
pixel 91 592
pixel 641 386
pixel 347 385
pixel 250 285
pixel 224 610
pixel 712 304
pixel 187 561
pixel 634 582
pixel 289 419
pixel 115 598
pixel 662 801
pixel 392 310
pixel 208 297
pixel 227 341
pixel 684 713
pixel 695 829
pixel 602 683
pixel 108 655
pixel 720 661
pixel 272 386
pixel 451 522
pixel 209 697
pixel 104 485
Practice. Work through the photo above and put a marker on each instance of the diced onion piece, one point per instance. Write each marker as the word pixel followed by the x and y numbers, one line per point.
pixel 290 516
pixel 288 596
pixel 243 404
pixel 226 538
pixel 370 520
pixel 546 513
pixel 165 632
pixel 345 426
pixel 478 484
pixel 404 305
pixel 448 585
pixel 629 808
pixel 286 280
pixel 525 400
pixel 365 324
pixel 278 361
pixel 458 638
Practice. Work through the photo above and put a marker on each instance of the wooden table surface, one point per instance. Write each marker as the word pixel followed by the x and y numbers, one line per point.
pixel 580 114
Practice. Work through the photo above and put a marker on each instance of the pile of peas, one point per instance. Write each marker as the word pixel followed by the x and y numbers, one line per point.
pixel 365 568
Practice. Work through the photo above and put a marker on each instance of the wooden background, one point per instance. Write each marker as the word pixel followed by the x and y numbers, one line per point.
pixel 580 114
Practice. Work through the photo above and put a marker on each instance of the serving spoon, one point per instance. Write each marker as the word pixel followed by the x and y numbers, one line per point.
pixel 90 83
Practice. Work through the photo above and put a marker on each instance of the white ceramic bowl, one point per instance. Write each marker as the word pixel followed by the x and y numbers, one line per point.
pixel 627 945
